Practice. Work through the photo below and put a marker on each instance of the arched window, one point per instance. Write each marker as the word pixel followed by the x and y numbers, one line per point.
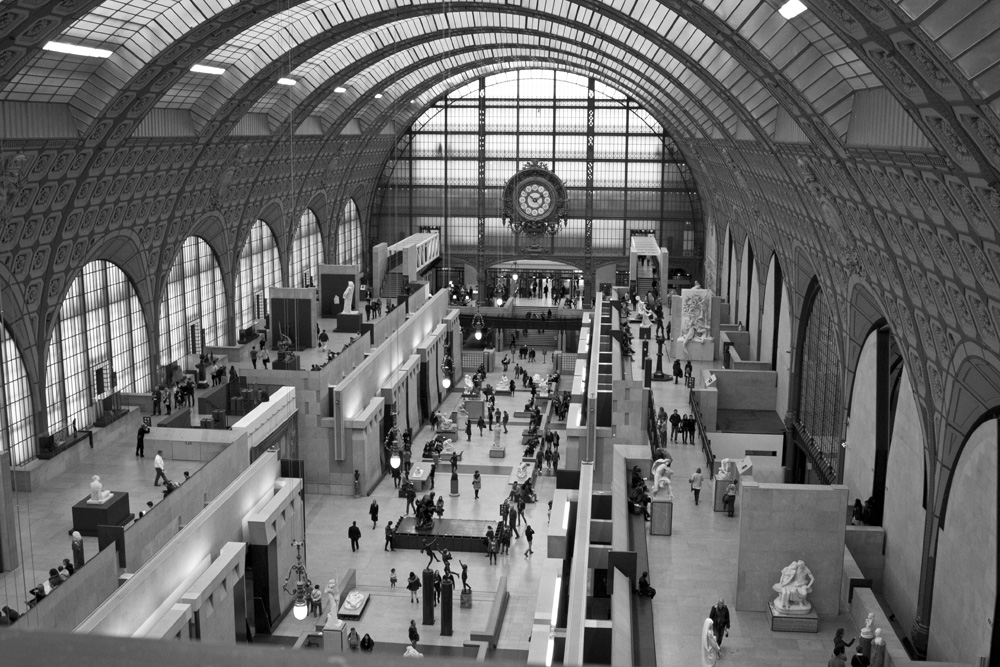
pixel 349 235
pixel 820 398
pixel 195 296
pixel 307 252
pixel 17 428
pixel 260 268
pixel 98 346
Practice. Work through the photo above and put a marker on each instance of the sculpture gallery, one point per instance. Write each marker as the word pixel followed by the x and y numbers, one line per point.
pixel 796 583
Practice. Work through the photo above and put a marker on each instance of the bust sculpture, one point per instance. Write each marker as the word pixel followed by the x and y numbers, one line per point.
pixel 795 585
pixel 98 495
pixel 349 299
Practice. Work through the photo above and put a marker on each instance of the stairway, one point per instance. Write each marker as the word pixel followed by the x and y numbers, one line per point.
pixel 393 285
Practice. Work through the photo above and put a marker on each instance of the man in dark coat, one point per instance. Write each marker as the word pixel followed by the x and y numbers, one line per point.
pixel 720 621
pixel 355 534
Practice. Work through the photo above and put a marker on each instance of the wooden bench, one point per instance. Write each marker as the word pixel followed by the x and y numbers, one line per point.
pixel 491 634
pixel 643 644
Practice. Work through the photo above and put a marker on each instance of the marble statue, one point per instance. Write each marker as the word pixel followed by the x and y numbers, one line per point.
pixel 866 631
pixel 353 601
pixel 662 473
pixel 795 585
pixel 522 470
pixel 725 469
pixel 443 423
pixel 448 447
pixel 98 495
pixel 696 315
pixel 878 650
pixel 349 299
pixel 332 592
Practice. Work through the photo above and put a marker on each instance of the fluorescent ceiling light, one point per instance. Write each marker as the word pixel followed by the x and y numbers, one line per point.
pixel 205 69
pixel 286 82
pixel 791 9
pixel 77 50
pixel 378 96
pixel 340 89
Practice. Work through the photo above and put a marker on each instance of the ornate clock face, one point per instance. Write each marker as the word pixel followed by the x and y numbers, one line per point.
pixel 535 199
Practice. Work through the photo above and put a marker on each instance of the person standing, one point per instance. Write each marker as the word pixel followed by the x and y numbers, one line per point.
pixel 492 546
pixel 156 401
pixel 160 468
pixel 373 513
pixel 678 373
pixel 555 460
pixel 477 484
pixel 468 428
pixel 489 411
pixel 720 622
pixel 414 635
pixel 860 659
pixel 688 369
pixel 684 429
pixel 529 534
pixel 253 356
pixel 839 658
pixel 77 548
pixel 675 425
pixel 413 585
pixel 355 534
pixel 411 496
pixel 506 418
pixel 729 500
pixel 696 481
pixel 481 423
pixel 520 511
pixel 839 642
pixel 430 475
pixel 165 399
pixel 140 447
pixel 389 534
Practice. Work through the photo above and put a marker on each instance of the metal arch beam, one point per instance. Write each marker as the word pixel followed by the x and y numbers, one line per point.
pixel 636 83
pixel 137 98
pixel 373 58
pixel 263 81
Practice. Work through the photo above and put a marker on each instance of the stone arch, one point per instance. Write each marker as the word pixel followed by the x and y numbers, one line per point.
pixel 776 329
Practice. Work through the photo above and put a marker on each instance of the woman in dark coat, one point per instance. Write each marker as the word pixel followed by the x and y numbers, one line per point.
pixel 373 513
pixel 678 374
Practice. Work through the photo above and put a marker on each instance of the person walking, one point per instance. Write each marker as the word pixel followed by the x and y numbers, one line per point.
pixel 355 534
pixel 414 635
pixel 253 356
pixel 265 358
pixel 489 411
pixel 324 338
pixel 520 511
pixel 678 373
pixel 481 423
pixel 430 475
pixel 529 534
pixel 389 534
pixel 506 418
pixel 555 460
pixel 373 513
pixel 160 468
pixel 411 496
pixel 477 484
pixel 140 437
pixel 413 585
pixel 468 428
pixel 696 481
pixel 720 622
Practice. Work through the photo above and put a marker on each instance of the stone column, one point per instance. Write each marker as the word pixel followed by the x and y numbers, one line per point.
pixel 447 588
pixel 428 585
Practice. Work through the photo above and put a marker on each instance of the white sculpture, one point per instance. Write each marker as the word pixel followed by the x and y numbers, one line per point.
pixel 332 591
pixel 349 299
pixel 866 631
pixel 725 471
pixel 696 315
pixel 353 601
pixel 878 650
pixel 448 447
pixel 411 652
pixel 796 583
pixel 98 495
pixel 661 477
pixel 443 423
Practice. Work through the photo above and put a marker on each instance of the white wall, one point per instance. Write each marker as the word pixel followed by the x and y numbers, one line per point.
pixel 859 459
pixel 903 518
pixel 735 446
pixel 965 584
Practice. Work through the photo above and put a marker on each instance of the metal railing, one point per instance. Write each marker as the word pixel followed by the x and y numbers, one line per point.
pixel 706 444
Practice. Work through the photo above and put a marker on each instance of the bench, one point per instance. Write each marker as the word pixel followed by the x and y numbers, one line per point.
pixel 643 644
pixel 491 633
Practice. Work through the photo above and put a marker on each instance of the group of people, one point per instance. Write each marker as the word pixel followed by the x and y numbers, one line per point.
pixel 176 394
pixel 715 628
pixel 373 309
pixel 676 424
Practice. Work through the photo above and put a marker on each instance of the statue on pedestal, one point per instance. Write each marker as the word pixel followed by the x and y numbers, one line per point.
pixel 98 495
pixel 662 473
pixel 878 649
pixel 866 631
pixel 725 469
pixel 349 299
pixel 332 592
pixel 796 583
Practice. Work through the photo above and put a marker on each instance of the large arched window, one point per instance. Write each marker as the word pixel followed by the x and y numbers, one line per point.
pixel 98 346
pixel 349 235
pixel 820 397
pixel 195 297
pixel 307 252
pixel 260 268
pixel 17 428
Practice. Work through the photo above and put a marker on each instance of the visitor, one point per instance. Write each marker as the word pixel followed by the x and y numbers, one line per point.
pixel 413 585
pixel 696 481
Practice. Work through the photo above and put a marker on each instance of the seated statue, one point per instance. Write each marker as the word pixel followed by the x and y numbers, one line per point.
pixel 97 493
pixel 725 469
pixel 443 423
pixel 796 583
pixel 661 477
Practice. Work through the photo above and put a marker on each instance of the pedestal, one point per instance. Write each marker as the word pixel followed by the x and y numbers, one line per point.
pixel 112 512
pixel 454 485
pixel 349 322
pixel 428 586
pixel 719 503
pixel 658 375
pixel 878 654
pixel 866 646
pixel 782 622
pixel 447 588
pixel 661 517
pixel 498 452
pixel 333 634
pixel 465 600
